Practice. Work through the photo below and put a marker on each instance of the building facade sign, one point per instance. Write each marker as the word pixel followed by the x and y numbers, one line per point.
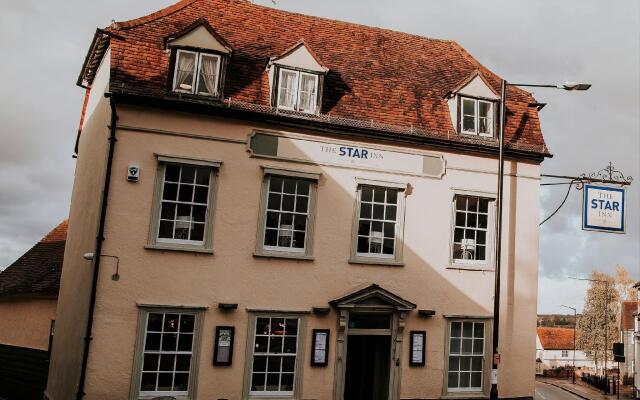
pixel 340 154
pixel 603 208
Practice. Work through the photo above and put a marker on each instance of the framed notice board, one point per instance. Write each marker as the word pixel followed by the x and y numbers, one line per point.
pixel 223 350
pixel 320 348
pixel 417 346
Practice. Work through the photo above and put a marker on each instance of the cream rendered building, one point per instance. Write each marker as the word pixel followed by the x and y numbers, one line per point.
pixel 295 208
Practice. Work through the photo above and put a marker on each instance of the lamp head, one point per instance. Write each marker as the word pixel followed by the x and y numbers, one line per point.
pixel 574 86
pixel 88 256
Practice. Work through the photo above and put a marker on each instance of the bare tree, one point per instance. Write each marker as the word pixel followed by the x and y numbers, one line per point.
pixel 624 284
pixel 599 318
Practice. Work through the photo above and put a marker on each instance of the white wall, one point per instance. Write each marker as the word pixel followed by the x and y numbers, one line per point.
pixel 554 359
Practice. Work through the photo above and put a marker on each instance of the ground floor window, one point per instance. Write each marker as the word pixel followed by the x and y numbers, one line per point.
pixel 565 353
pixel 466 356
pixel 275 355
pixel 167 348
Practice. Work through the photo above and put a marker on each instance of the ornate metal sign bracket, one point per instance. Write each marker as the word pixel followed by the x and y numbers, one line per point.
pixel 608 175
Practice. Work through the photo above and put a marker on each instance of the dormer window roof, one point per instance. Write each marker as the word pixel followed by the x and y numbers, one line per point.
pixel 199 55
pixel 199 35
pixel 296 78
pixel 473 106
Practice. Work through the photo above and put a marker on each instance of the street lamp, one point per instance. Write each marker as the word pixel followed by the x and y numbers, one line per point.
pixel 606 322
pixel 498 220
pixel 575 322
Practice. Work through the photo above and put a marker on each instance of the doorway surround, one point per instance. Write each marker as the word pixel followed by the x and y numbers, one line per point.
pixel 371 299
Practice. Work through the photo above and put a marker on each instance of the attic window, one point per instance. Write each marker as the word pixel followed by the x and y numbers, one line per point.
pixel 476 116
pixel 297 91
pixel 196 73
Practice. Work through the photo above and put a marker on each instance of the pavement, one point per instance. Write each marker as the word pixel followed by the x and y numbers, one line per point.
pixel 546 391
pixel 579 390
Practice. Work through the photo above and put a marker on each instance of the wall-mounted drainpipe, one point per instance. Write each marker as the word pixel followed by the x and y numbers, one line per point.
pixel 99 239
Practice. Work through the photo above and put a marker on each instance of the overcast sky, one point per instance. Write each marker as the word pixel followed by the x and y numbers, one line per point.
pixel 544 41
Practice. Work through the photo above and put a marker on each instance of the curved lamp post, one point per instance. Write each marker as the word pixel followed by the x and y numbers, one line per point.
pixel 498 221
pixel 575 322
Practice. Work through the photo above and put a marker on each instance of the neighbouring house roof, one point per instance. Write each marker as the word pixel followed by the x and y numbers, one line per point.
pixel 379 81
pixel 555 338
pixel 37 272
pixel 628 311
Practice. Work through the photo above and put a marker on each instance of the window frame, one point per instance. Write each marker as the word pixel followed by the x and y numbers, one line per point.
pixel 298 72
pixel 486 363
pixel 138 357
pixel 491 115
pixel 487 263
pixel 564 354
pixel 300 353
pixel 204 246
pixel 382 259
pixel 282 252
pixel 198 63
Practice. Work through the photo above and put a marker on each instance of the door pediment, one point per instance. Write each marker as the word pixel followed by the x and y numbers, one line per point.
pixel 375 297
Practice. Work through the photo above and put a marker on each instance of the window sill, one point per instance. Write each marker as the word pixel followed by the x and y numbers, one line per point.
pixel 376 261
pixel 285 255
pixel 177 247
pixel 471 267
pixel 465 395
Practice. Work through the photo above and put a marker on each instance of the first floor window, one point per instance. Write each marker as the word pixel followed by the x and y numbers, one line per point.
pixel 286 222
pixel 378 219
pixel 297 90
pixel 565 353
pixel 196 72
pixel 466 355
pixel 275 355
pixel 287 214
pixel 477 116
pixel 184 203
pixel 471 229
pixel 167 353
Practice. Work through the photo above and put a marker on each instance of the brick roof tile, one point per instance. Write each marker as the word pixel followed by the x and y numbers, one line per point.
pixel 556 338
pixel 374 74
pixel 628 312
pixel 37 272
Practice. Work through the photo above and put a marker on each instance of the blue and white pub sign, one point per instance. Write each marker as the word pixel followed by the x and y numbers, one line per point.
pixel 603 208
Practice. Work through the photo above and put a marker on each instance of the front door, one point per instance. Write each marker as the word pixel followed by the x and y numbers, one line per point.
pixel 367 372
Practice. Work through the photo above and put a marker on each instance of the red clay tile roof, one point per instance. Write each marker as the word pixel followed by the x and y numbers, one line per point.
pixel 556 338
pixel 38 270
pixel 628 312
pixel 377 76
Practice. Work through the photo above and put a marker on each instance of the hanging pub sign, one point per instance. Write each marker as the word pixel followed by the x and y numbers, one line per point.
pixel 417 345
pixel 320 348
pixel 603 208
pixel 223 352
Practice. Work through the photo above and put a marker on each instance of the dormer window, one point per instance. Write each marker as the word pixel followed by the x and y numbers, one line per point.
pixel 473 106
pixel 297 91
pixel 477 116
pixel 296 78
pixel 196 72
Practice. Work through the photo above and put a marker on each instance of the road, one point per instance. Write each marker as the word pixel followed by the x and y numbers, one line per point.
pixel 549 392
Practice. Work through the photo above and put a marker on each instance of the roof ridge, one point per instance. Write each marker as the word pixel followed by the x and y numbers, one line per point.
pixel 132 23
pixel 57 234
pixel 120 25
pixel 375 28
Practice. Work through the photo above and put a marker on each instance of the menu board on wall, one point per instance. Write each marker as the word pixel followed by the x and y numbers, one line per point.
pixel 320 348
pixel 417 345
pixel 223 352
